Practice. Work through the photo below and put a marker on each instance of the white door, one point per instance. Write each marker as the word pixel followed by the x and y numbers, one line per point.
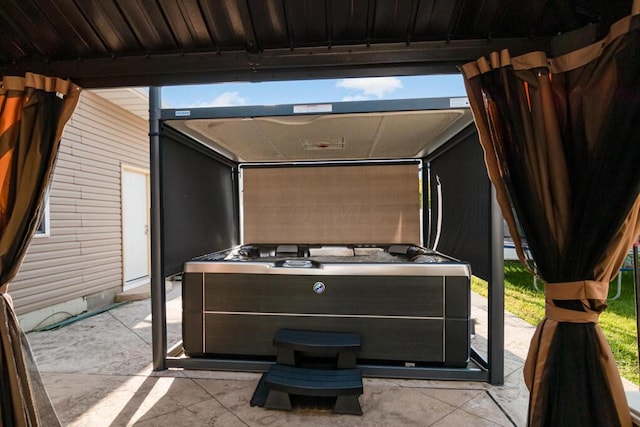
pixel 135 226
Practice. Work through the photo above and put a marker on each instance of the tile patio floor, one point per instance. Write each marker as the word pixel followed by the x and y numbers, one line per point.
pixel 98 372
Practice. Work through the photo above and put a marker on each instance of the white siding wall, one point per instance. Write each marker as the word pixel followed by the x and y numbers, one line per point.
pixel 83 253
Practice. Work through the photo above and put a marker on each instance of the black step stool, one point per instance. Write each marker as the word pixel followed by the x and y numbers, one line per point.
pixel 344 384
pixel 341 345
pixel 287 377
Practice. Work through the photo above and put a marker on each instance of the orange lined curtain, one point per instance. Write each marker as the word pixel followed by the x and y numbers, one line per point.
pixel 33 112
pixel 561 138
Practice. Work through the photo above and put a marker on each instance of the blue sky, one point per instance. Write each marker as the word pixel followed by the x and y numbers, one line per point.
pixel 313 91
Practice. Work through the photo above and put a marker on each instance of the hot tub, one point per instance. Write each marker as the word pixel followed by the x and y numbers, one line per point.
pixel 410 306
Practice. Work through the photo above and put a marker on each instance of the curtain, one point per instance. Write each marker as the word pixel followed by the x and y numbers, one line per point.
pixel 561 138
pixel 33 112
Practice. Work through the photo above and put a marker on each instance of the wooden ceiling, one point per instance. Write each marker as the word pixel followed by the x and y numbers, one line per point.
pixel 114 43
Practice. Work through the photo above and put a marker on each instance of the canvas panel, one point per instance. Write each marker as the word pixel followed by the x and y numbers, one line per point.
pixel 337 204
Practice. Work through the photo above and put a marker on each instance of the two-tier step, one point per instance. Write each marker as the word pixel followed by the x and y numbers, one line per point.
pixel 286 377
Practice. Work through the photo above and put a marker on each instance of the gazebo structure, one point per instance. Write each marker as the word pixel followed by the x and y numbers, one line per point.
pixel 551 152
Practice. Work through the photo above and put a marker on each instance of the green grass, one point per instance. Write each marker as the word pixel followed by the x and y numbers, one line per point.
pixel 618 320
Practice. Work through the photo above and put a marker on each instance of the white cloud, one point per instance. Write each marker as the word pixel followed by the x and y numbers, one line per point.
pixel 225 99
pixel 371 86
pixel 350 98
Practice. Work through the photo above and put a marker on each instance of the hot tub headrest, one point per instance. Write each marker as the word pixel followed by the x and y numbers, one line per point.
pixel 399 249
pixel 287 250
pixel 292 251
pixel 410 251
pixel 249 251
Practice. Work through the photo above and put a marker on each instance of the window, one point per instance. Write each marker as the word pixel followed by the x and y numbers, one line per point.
pixel 44 228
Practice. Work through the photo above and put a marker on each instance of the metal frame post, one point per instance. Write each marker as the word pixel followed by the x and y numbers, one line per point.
pixel 158 295
pixel 636 289
pixel 496 295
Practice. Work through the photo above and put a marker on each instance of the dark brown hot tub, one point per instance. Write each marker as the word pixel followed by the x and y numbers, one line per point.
pixel 409 305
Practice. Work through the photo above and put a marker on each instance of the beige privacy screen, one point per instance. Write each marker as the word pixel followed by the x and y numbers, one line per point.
pixel 350 204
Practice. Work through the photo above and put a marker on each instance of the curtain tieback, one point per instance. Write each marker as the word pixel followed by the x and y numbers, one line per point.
pixel 583 290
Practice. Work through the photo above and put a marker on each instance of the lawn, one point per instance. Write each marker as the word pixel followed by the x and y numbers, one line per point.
pixel 618 320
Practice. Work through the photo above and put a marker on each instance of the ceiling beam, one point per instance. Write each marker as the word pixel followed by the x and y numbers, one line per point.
pixel 436 57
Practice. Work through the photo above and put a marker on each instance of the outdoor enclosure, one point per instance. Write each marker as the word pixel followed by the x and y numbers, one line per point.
pixel 342 181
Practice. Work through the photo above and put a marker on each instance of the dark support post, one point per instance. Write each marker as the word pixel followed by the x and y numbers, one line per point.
pixel 636 288
pixel 158 295
pixel 496 295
